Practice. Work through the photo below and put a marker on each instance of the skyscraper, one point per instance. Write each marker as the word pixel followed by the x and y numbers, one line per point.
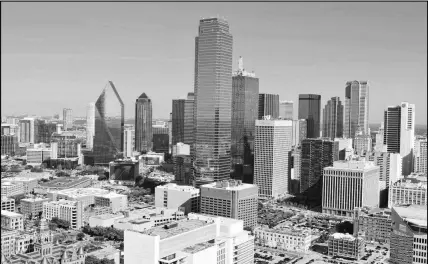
pixel 399 133
pixel 310 109
pixel 272 148
pixel 356 108
pixel 128 142
pixel 178 120
pixel 268 105
pixel 67 118
pixel 213 97
pixel 109 123
pixel 333 119
pixel 420 160
pixel 316 155
pixel 143 124
pixel 245 98
pixel 26 129
pixel 90 125
pixel 189 121
pixel 286 109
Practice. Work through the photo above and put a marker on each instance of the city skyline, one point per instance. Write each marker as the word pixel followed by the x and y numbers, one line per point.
pixel 48 63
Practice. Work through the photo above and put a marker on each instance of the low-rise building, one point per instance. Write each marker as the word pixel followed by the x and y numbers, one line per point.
pixel 11 188
pixel 71 211
pixel 85 195
pixel 346 246
pixel 94 211
pixel 63 183
pixel 12 220
pixel 8 241
pixel 173 196
pixel 33 206
pixel 7 204
pixel 290 239
pixel 28 183
pixel 106 253
pixel 409 190
pixel 117 202
pixel 36 156
pixel 105 220
pixel 373 223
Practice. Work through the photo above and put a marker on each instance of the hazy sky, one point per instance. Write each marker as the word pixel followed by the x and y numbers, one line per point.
pixel 61 55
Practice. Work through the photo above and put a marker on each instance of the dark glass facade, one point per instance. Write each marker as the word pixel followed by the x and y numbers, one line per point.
pixel 143 124
pixel 109 123
pixel 333 119
pixel 392 132
pixel 161 143
pixel 178 106
pixel 245 98
pixel 213 100
pixel 124 171
pixel 310 109
pixel 356 108
pixel 9 145
pixel 44 131
pixel 316 154
pixel 268 105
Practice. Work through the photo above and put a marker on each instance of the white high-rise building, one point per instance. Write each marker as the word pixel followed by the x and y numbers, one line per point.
pixel 345 148
pixel 350 184
pixel 272 145
pixel 399 133
pixel 67 117
pixel 286 110
pixel 90 125
pixel 420 159
pixel 379 146
pixel 197 239
pixel 128 142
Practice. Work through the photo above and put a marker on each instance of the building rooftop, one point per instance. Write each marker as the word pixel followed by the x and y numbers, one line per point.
pixel 37 199
pixel 176 228
pixel 111 195
pixel 229 185
pixel 107 216
pixel 80 192
pixel 10 214
pixel 413 181
pixel 182 188
pixel 356 165
pixel 21 179
pixel 416 214
pixel 63 202
pixel 344 236
pixel 199 247
pixel 64 182
pixel 301 232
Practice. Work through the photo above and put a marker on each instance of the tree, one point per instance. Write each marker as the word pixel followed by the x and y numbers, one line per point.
pixel 80 236
pixel 102 178
pixel 28 167
pixel 94 260
pixel 60 223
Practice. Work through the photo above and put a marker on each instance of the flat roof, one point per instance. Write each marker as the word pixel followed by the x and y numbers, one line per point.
pixel 173 186
pixel 10 214
pixel 416 214
pixel 64 182
pixel 226 185
pixel 198 247
pixel 111 195
pixel 182 227
pixel 107 216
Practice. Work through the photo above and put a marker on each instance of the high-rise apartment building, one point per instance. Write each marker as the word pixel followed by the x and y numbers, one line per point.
pixel 213 97
pixel 128 142
pixel 299 131
pixel 286 110
pixel 310 109
pixel 268 105
pixel 399 134
pixel 232 199
pixel 333 119
pixel 409 190
pixel 245 99
pixel 316 155
pixel 349 184
pixel 90 125
pixel 109 123
pixel 420 159
pixel 356 108
pixel 67 118
pixel 272 148
pixel 143 124
pixel 26 128
pixel 409 234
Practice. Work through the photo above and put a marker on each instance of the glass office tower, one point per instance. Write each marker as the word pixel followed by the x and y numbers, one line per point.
pixel 356 108
pixel 333 119
pixel 310 109
pixel 213 100
pixel 143 124
pixel 109 123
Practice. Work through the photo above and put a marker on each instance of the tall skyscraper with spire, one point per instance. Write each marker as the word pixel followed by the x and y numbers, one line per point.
pixel 356 108
pixel 143 124
pixel 213 100
pixel 333 119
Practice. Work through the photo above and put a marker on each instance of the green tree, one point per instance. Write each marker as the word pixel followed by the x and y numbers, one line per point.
pixel 80 236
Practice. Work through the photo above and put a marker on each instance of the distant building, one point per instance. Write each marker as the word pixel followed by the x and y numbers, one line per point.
pixel 9 145
pixel 272 148
pixel 356 108
pixel 379 146
pixel 117 202
pixel 345 148
pixel 299 131
pixel 36 156
pixel 67 117
pixel 294 185
pixel 128 142
pixel 143 124
pixel 231 199
pixel 63 183
pixel 399 133
pixel 420 160
pixel 197 239
pixel 160 142
pixel 12 220
pixel 409 234
pixel 289 239
pixel 70 211
pixel 27 182
pixel 346 246
pixel 409 190
pixel 316 155
pixel 104 220
pixel 268 105
pixel 333 119
pixel 310 110
pixel 26 128
pixel 182 164
pixel 172 196
pixel 33 206
pixel 181 149
pixel 11 188
pixel 362 144
pixel 65 146
pixel 124 170
pixel 349 184
pixel 7 204
pixel 90 125
pixel 373 223
pixel 85 195
pixel 286 110
pixel 44 131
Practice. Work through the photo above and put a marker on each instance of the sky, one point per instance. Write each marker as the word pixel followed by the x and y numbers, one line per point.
pixel 61 55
